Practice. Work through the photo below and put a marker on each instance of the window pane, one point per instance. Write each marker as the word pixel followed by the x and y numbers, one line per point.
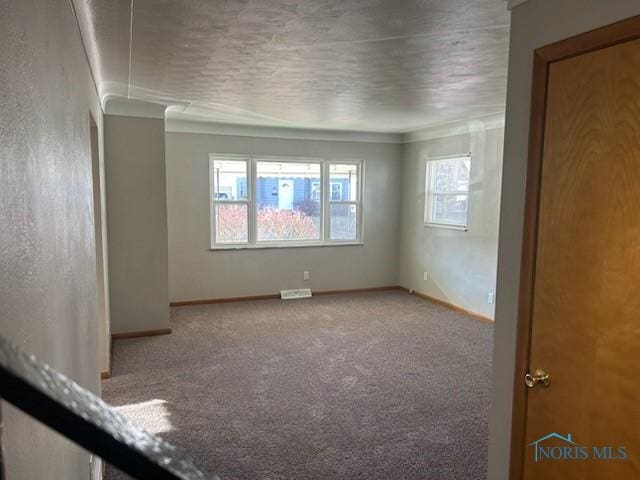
pixel 344 221
pixel 450 175
pixel 231 223
pixel 450 209
pixel 447 189
pixel 343 179
pixel 288 198
pixel 230 180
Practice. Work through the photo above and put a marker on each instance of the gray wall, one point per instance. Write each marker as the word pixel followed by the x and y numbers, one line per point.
pixel 460 266
pixel 533 24
pixel 199 273
pixel 137 223
pixel 47 245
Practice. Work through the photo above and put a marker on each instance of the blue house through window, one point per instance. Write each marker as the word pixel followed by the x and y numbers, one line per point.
pixel 270 191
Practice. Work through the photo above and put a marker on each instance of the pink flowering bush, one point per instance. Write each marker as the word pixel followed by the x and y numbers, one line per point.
pixel 273 224
pixel 231 223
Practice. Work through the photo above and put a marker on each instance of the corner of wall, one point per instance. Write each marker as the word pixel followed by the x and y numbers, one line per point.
pixel 453 266
pixel 137 222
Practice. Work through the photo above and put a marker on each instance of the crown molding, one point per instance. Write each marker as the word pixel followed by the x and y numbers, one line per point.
pixel 133 108
pixel 456 128
pixel 212 128
pixel 514 3
pixel 489 122
pixel 119 106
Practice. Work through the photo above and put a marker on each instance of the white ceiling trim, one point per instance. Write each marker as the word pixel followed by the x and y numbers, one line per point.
pixel 79 26
pixel 136 108
pixel 514 3
pixel 211 128
pixel 456 128
pixel 439 131
pixel 133 108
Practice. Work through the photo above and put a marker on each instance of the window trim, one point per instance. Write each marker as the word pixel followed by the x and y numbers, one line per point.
pixel 358 202
pixel 213 202
pixel 429 194
pixel 325 202
pixel 253 219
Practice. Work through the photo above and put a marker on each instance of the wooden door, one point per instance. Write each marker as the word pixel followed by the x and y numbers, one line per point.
pixel 585 304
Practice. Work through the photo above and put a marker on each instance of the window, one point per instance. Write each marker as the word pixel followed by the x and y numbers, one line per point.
pixel 230 201
pixel 345 201
pixel 276 201
pixel 286 209
pixel 447 191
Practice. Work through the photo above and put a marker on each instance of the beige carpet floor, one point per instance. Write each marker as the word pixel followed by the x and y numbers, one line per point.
pixel 360 386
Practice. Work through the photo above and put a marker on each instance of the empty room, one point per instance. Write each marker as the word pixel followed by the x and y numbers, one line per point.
pixel 292 240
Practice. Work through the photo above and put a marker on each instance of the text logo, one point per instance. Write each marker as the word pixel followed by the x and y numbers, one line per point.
pixel 564 448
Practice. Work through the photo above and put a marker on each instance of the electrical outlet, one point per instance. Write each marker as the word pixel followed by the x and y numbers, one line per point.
pixel 491 298
pixel 305 275
pixel 425 276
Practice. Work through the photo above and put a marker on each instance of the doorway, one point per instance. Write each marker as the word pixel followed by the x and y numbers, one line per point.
pixel 575 390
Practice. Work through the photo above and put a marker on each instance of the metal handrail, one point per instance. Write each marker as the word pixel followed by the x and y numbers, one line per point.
pixel 63 405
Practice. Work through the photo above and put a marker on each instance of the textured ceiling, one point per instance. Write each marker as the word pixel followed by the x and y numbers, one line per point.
pixel 387 66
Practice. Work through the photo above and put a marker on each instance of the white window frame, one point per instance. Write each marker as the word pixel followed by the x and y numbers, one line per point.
pixel 213 202
pixel 357 202
pixel 251 202
pixel 430 193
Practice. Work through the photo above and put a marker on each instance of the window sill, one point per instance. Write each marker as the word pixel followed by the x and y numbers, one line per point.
pixel 461 228
pixel 284 245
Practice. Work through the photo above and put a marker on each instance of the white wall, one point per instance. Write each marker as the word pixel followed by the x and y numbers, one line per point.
pixel 533 24
pixel 137 222
pixel 196 272
pixel 47 243
pixel 100 229
pixel 460 265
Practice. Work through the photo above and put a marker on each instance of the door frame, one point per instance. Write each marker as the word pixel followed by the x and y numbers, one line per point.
pixel 607 36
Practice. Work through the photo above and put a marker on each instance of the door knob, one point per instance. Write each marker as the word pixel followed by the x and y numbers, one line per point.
pixel 538 377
